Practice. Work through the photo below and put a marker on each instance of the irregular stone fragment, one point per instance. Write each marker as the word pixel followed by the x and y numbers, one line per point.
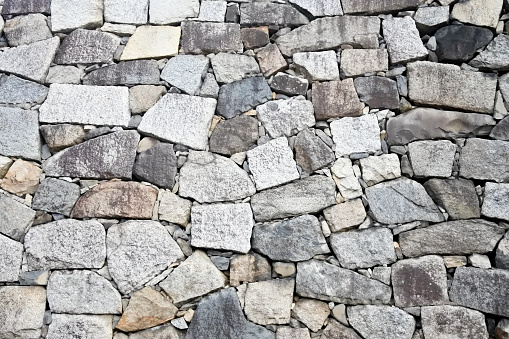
pixel 164 12
pixel 267 13
pixel 26 6
pixel 457 196
pixel 345 178
pixel 207 177
pixel 22 311
pixel 126 12
pixel 344 216
pixel 143 97
pixel 61 136
pixel 269 302
pixel 460 42
pixel 478 12
pixel 311 153
pixel 138 251
pixel 68 15
pixel 380 322
pixel 249 268
pixel 222 227
pixel 56 196
pixel 320 280
pixel 420 282
pixel 403 41
pixel 495 198
pixel 5 163
pixel 240 96
pixel 444 322
pixel 22 178
pixel 270 59
pixel 210 37
pixel 65 244
pixel 234 135
pixel 166 121
pixel 503 84
pixel 308 195
pixel 319 8
pixel 494 56
pixel 311 313
pixel 174 209
pixel 209 87
pixel 289 84
pixel 336 99
pixel 152 42
pixel 80 326
pixel 502 253
pixel 255 37
pixel 501 130
pixel 356 135
pixel 14 90
pixel 23 30
pixel 16 142
pixel 78 292
pixel 474 91
pixel 157 165
pixel 11 254
pixel 432 158
pixel 429 19
pixel 428 123
pixel 233 67
pixel 186 72
pixel 195 277
pixel 317 66
pixel 485 160
pixel 336 330
pixel 15 217
pixel 64 75
pixel 356 62
pixel 286 332
pixel 380 168
pixel 87 47
pixel 366 6
pixel 158 332
pixel 378 92
pixel 135 72
pixel 400 201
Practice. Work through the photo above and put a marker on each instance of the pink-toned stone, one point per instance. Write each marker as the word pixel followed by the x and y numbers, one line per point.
pixel 22 178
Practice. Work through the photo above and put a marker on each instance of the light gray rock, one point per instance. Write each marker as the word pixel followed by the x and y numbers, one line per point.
pixel 428 19
pixel 195 277
pixel 311 153
pixel 80 326
pixel 485 160
pixel 272 164
pixel 267 13
pixel 364 248
pixel 14 90
pixel 126 12
pixel 152 42
pixel 356 135
pixel 269 302
pixel 427 85
pixel 166 121
pixel 356 62
pixel 186 72
pixel 212 11
pixel 209 88
pixel 380 322
pixel 56 196
pixel 59 74
pixel 30 61
pixel 233 67
pixel 222 226
pixel 78 292
pixel 447 322
pixel 344 216
pixel 296 239
pixel 87 47
pixel 502 253
pixel 15 217
pixel 320 280
pixel 317 66
pixel 496 196
pixel 495 56
pixel 208 177
pixel 66 243
pixel 403 41
pixel 308 195
pixel 11 256
pixel 336 99
pixel 210 37
pixel 125 73
pixel 478 12
pixel 286 332
pixel 174 11
pixel 400 201
pixel 432 158
pixel 173 208
pixel 380 168
pixel 16 142
pixel 319 8
pixel 67 15
pixel 5 164
pixel 23 30
pixel 503 84
pixel 311 313
pixel 366 6
pixel 345 178
pixel 143 97
pixel 157 332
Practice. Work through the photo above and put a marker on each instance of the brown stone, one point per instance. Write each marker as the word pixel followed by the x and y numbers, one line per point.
pixel 117 199
pixel 336 99
pixel 311 313
pixel 271 60
pixel 255 37
pixel 22 178
pixel 249 268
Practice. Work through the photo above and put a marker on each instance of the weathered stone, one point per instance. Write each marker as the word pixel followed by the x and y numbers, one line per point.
pixel 234 135
pixel 311 153
pixel 87 47
pixel 22 178
pixel 269 302
pixel 345 178
pixel 16 142
pixel 336 99
pixel 135 72
pixel 460 42
pixel 5 163
pixel 308 195
pixel 11 254
pixel 366 6
pixel 157 165
pixel 207 177
pixel 356 62
pixel 240 96
pixel 478 12
pixel 174 11
pixel 222 227
pixel 186 72
pixel 61 136
pixel 344 216
pixel 26 6
pixel 403 41
pixel 67 15
pixel 174 209
pixel 495 198
pixel 320 280
pixel 318 8
pixel 429 83
pixel 56 196
pixel 66 244
pixel 126 12
pixel 138 251
pixel 78 292
pixel 14 90
pixel 380 168
pixel 494 56
pixel 143 97
pixel 23 30
pixel 297 239
pixel 445 322
pixel 289 84
pixel 429 19
pixel 453 261
pixel 485 160
pixel 400 201
pixel 284 269
pixel 432 158
pixel 209 87
pixel 80 326
pixel 327 33
pixel 479 260
pixel 457 196
pixel 15 217
pixel 503 84
pixel 152 42
pixel 267 13
pixel 420 282
pixel 317 66
pixel 255 37
pixel 356 135
pixel 311 313
pixel 233 67
pixel 212 11
pixel 501 130
pixel 378 92
pixel 64 75
pixel 380 322
pixel 210 37
pixel 158 332
pixel 22 311
pixel 249 268
pixel 336 330
pixel 166 121
pixel 286 332
pixel 270 59
pixel 502 253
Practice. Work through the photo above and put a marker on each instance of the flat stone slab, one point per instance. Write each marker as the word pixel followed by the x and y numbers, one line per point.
pixel 11 256
pixel 336 99
pixel 157 165
pixel 344 216
pixel 68 15
pixel 173 208
pixel 370 7
pixel 432 158
pixel 485 160
pixel 56 196
pixel 495 198
pixel 378 92
pixel 186 72
pixel 137 72
pixel 233 67
pixel 403 40
pixel 494 56
pixel 14 90
pixel 269 302
pixel 210 37
pixel 84 46
pixel 126 12
pixel 80 326
pixel 249 268
pixel 15 217
pixel 355 62
pixel 152 42
pixel 317 66
pixel 267 13
pixel 311 152
pixel 444 322
pixel 289 84
pixel 16 142
pixel 356 135
pixel 478 13
pixel 380 168
pixel 26 6
pixel 318 8
pixel 380 322
pixel 173 11
pixel 234 135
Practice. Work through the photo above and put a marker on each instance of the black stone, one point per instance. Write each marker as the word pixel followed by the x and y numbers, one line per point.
pixel 157 165
pixel 26 6
pixel 501 130
pixel 234 135
pixel 459 42
pixel 84 46
pixel 289 84
pixel 378 92
pixel 241 96
pixel 232 14
pixel 254 37
pixel 137 72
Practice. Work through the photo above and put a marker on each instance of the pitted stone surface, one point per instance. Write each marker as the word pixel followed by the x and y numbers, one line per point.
pixel 24 143
pixel 87 47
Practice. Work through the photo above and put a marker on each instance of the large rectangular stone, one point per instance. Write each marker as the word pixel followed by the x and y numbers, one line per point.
pixel 485 160
pixel 378 6
pixel 210 37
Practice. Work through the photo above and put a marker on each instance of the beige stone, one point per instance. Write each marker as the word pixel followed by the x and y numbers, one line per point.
pixel 22 178
pixel 271 60
pixel 454 261
pixel 311 313
pixel 269 302
pixel 478 12
pixel 356 62
pixel 336 99
pixel 142 97
pixel 284 269
pixel 152 42
pixel 174 209
pixel 344 216
pixel 248 268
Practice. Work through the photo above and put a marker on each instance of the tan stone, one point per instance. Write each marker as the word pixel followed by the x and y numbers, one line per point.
pixel 22 178
pixel 174 209
pixel 152 42
pixel 271 60
pixel 311 313
pixel 336 99
pixel 284 269
pixel 345 216
pixel 143 97
pixel 248 268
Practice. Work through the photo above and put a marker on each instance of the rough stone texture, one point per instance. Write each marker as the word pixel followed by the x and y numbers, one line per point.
pixel 105 157
pixel 311 153
pixel 255 37
pixel 319 8
pixel 195 277
pixel 460 42
pixel 317 66
pixel 117 199
pixel 289 84
pixel 378 92
pixel 429 19
pixel 272 164
pixel 207 177
pixel 503 84
pixel 87 47
pixel 336 330
pixel 356 62
pixel 320 280
pixel 233 67
pixel 308 195
pixel 366 6
pixel 61 136
pixel 478 12
pixel 25 6
pixel 15 217
pixel 432 84
pixel 213 11
pixel 485 160
pixel 296 239
pixel 344 216
pixel 30 61
pixel 311 313
pixel 96 105
pixel 480 289
pixel 210 37
pixel 138 251
pixel 453 237
pixel 356 135
pixel 432 158
pixel 126 12
pixel 22 178
pixel 501 130
pixel 24 30
pixel 5 163
pixel 363 248
pixel 453 322
pixel 249 268
pixel 65 244
pixel 502 253
pixel 428 123
pixel 152 42
pixel 14 90
pixel 174 11
pixel 336 99
pixel 166 121
pixel 420 282
pixel 186 72
pixel 457 196
pixel 78 292
pixel 403 41
pixel 67 15
pixel 234 135
pixel 270 59
pixel 158 332
pixel 240 96
pixel 16 142
pixel 143 97
pixel 380 322
pixel 380 168
pixel 56 196
pixel 222 227
pixel 64 75
pixel 22 311
pixel 174 209
pixel 494 56
pixel 285 332
pixel 269 302
pixel 266 13
pixel 11 254
pixel 157 165
pixel 145 72
pixel 80 326
pixel 496 197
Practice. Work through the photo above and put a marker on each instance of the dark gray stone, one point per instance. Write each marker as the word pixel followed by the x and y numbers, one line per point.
pixel 19 133
pixel 106 157
pixel 375 7
pixel 56 196
pixel 14 90
pixel 460 42
pixel 137 72
pixel 84 46
pixel 311 153
pixel 210 37
pixel 289 84
pixel 240 96
pixel 445 322
pixel 378 92
pixel 61 136
pixel 26 6
pixel 23 30
pixel 297 239
pixel 269 13
pixel 234 135
pixel 494 56
pixel 457 196
pixel 220 316
pixel 335 330
pixel 336 99
pixel 481 289
pixel 429 123
pixel 254 37
pixel 485 160
pixel 97 132
pixel 501 130
pixel 157 165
